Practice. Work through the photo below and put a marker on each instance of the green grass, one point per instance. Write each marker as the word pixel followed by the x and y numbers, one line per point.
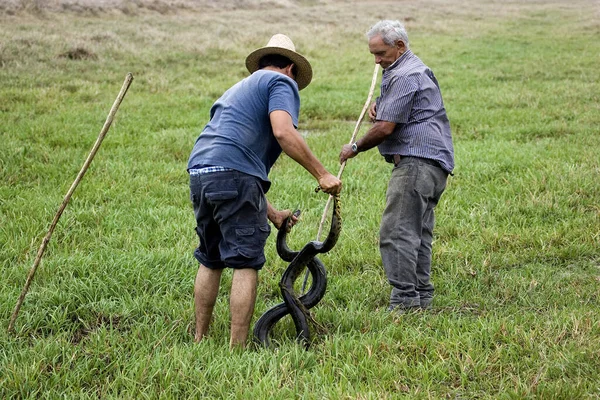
pixel 110 314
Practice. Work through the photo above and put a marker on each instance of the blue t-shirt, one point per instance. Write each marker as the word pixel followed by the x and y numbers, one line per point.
pixel 239 135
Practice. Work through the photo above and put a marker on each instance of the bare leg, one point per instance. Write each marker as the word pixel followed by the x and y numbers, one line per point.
pixel 206 289
pixel 241 304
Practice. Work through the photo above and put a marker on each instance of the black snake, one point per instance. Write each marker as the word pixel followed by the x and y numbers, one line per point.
pixel 296 306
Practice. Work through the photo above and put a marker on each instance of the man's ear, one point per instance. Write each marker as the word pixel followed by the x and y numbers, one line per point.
pixel 289 70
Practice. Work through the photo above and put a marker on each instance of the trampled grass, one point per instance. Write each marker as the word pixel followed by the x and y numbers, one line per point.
pixel 516 259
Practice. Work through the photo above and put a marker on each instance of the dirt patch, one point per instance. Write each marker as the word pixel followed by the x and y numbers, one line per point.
pixel 85 329
pixel 78 53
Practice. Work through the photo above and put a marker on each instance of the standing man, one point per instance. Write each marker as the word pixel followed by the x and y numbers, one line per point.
pixel 249 126
pixel 412 131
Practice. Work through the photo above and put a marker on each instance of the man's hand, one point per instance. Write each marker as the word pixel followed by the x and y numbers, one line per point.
pixel 373 112
pixel 375 136
pixel 330 184
pixel 277 218
pixel 346 153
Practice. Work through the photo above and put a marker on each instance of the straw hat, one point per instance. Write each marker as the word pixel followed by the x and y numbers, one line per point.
pixel 282 45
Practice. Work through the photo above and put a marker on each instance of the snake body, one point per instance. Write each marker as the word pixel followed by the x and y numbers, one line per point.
pixel 297 306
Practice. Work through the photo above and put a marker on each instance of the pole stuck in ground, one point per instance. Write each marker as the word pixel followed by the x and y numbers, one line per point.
pixel 84 168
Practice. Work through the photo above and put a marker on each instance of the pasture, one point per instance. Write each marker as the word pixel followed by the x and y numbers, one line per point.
pixel 110 313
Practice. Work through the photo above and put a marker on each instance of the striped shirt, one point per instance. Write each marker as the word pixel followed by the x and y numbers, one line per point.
pixel 411 98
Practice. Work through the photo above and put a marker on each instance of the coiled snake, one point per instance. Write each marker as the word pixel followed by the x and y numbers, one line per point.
pixel 296 306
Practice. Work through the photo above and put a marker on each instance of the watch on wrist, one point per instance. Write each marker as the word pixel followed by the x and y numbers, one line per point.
pixel 354 148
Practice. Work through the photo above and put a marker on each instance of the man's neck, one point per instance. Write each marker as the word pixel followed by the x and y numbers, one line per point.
pixel 284 71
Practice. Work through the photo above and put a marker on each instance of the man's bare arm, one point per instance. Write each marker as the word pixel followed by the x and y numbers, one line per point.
pixel 294 146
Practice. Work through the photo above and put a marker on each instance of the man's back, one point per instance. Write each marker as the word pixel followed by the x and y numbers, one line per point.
pixel 239 134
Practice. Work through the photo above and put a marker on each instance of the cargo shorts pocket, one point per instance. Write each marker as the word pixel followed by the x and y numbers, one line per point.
pixel 251 240
pixel 221 195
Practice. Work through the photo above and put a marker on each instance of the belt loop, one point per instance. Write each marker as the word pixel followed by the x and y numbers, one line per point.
pixel 396 158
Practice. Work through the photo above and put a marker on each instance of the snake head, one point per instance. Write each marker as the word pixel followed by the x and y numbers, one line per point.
pixel 283 250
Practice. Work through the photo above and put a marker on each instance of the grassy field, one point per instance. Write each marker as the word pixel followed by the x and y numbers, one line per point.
pixel 110 314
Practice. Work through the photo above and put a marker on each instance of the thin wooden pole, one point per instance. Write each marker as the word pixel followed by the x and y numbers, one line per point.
pixel 84 168
pixel 352 139
pixel 339 175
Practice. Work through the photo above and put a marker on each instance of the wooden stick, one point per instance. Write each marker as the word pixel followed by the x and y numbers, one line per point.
pixel 352 139
pixel 86 164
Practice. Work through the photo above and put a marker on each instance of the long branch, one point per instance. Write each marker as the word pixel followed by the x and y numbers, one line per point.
pixel 84 168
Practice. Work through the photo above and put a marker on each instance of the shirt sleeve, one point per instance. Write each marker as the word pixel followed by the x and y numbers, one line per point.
pixel 284 96
pixel 395 104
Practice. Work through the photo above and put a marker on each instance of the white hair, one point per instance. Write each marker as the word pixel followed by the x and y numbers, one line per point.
pixel 390 31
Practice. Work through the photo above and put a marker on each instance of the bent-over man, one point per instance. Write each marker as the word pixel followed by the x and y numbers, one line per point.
pixel 250 124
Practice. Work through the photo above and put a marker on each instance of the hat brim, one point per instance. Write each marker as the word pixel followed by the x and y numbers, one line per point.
pixel 304 75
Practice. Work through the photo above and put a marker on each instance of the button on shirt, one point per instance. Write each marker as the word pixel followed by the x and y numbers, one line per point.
pixel 411 98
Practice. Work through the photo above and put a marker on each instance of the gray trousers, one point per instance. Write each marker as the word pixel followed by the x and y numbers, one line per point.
pixel 406 233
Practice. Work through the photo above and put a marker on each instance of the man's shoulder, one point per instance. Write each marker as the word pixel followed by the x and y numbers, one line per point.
pixel 407 76
pixel 413 65
pixel 411 73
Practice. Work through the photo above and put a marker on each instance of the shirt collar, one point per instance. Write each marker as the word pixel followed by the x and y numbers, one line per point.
pixel 399 61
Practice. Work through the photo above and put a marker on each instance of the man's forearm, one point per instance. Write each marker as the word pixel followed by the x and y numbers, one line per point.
pixel 271 211
pixel 375 136
pixel 294 146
